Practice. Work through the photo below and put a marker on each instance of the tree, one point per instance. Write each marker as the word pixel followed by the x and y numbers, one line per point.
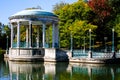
pixel 101 8
pixel 80 30
pixel 73 18
pixel 107 17
pixel 0 29
pixel 103 14
pixel 5 31
pixel 58 6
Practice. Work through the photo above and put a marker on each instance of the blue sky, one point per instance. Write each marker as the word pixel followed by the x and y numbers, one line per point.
pixel 10 7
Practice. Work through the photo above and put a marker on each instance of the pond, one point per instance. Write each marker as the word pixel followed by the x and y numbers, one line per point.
pixel 57 71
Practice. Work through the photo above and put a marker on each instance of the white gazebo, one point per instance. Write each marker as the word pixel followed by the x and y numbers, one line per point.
pixel 26 51
pixel 34 17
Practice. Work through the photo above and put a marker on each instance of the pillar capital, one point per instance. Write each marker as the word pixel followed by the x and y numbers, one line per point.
pixel 18 22
pixel 55 23
pixel 44 22
pixel 30 22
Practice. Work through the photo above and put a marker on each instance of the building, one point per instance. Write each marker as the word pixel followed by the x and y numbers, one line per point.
pixel 28 51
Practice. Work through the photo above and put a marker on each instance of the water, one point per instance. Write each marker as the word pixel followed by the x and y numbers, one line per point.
pixel 57 71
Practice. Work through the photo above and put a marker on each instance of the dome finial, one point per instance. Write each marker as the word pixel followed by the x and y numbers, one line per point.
pixel 38 7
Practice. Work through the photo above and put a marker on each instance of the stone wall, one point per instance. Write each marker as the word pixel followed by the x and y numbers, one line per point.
pixel 53 54
pixel 26 53
pixel 46 54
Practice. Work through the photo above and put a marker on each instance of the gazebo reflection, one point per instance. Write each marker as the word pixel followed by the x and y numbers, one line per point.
pixel 61 70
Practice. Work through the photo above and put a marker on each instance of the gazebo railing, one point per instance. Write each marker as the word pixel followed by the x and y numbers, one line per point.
pixel 23 45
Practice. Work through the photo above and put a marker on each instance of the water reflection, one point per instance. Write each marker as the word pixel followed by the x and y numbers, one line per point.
pixel 26 71
pixel 96 72
pixel 60 71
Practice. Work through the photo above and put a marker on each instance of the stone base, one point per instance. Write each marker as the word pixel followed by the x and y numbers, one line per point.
pixel 90 54
pixel 42 54
pixel 26 54
pixel 53 54
pixel 96 61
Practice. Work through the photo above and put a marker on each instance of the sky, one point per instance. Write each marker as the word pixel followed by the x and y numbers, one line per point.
pixel 10 7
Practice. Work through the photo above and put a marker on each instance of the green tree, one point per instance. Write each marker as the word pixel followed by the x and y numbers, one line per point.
pixel 80 30
pixel 57 7
pixel 74 18
pixel 5 31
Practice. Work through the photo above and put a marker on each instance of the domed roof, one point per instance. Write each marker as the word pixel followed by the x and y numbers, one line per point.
pixel 34 12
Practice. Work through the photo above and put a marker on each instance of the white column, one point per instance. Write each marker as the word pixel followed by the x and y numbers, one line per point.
pixel 30 34
pixel 90 72
pixel 56 36
pixel 27 38
pixel 43 35
pixel 53 35
pixel 11 75
pixel 17 74
pixel 38 33
pixel 18 34
pixel 26 75
pixel 11 35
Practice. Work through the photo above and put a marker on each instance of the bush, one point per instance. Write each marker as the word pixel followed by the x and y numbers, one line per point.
pixel 2 51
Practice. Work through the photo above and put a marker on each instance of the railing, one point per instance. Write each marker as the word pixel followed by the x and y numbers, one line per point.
pixel 80 53
pixel 23 45
pixel 84 54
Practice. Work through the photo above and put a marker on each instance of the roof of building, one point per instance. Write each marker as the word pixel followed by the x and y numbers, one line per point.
pixel 34 12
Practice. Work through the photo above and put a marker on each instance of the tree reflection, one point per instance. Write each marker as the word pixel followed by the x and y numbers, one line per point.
pixel 58 71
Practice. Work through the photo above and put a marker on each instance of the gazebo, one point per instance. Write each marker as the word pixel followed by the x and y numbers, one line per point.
pixel 34 17
pixel 27 51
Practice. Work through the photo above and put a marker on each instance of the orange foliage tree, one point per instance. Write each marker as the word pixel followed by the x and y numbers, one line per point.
pixel 100 7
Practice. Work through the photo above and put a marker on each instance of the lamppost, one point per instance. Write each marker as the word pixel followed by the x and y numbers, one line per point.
pixel 7 45
pixel 71 39
pixel 90 52
pixel 93 44
pixel 105 38
pixel 84 44
pixel 113 49
pixel 90 39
